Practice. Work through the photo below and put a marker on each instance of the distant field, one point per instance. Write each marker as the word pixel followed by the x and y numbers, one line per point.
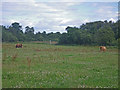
pixel 57 66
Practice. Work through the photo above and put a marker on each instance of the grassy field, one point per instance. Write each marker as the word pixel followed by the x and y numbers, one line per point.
pixel 39 65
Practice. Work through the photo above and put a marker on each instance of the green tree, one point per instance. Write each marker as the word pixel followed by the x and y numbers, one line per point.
pixel 105 36
pixel 16 30
pixel 38 37
pixel 29 32
pixel 7 36
pixel 64 39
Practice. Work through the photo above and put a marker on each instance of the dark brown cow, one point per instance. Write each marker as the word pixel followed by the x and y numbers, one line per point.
pixel 102 48
pixel 18 45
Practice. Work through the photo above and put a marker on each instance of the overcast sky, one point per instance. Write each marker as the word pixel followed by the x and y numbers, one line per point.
pixel 56 16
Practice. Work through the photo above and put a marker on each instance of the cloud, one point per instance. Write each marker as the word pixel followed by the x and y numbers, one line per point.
pixel 109 11
pixel 61 1
pixel 113 20
pixel 50 24
pixel 55 16
pixel 43 16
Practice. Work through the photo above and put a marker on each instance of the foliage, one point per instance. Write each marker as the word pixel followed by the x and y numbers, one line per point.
pixel 92 33
pixel 105 36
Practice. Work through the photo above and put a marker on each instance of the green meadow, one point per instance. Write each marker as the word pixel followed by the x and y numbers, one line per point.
pixel 40 65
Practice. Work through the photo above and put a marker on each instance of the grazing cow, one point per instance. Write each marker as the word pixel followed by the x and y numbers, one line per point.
pixel 102 48
pixel 18 45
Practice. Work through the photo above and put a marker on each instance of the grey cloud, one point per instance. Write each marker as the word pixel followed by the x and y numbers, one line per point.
pixel 52 16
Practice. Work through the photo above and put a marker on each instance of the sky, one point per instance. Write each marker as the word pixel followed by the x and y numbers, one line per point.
pixel 54 16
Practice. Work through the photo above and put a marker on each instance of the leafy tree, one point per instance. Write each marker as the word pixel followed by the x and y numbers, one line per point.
pixel 118 43
pixel 7 35
pixel 92 33
pixel 38 37
pixel 64 39
pixel 105 36
pixel 29 32
pixel 16 30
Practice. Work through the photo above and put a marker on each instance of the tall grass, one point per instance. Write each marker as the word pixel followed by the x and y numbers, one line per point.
pixel 14 57
pixel 4 56
pixel 29 62
pixel 47 66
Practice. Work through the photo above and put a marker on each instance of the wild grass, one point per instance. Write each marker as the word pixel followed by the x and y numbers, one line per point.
pixel 57 66
pixel 14 57
pixel 4 56
pixel 29 62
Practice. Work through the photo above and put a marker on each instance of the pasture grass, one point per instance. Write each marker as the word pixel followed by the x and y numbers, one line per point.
pixel 56 66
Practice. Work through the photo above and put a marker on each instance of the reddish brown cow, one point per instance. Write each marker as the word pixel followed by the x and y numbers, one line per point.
pixel 18 45
pixel 102 48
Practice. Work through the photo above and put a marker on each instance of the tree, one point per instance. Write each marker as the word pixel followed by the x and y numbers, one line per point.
pixel 105 36
pixel 92 33
pixel 29 33
pixel 64 39
pixel 118 43
pixel 16 30
pixel 38 37
pixel 7 35
pixel 29 30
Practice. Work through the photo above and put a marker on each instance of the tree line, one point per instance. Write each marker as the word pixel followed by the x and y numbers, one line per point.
pixel 15 33
pixel 92 33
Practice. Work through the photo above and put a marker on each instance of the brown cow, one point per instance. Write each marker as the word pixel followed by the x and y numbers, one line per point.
pixel 102 48
pixel 18 45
